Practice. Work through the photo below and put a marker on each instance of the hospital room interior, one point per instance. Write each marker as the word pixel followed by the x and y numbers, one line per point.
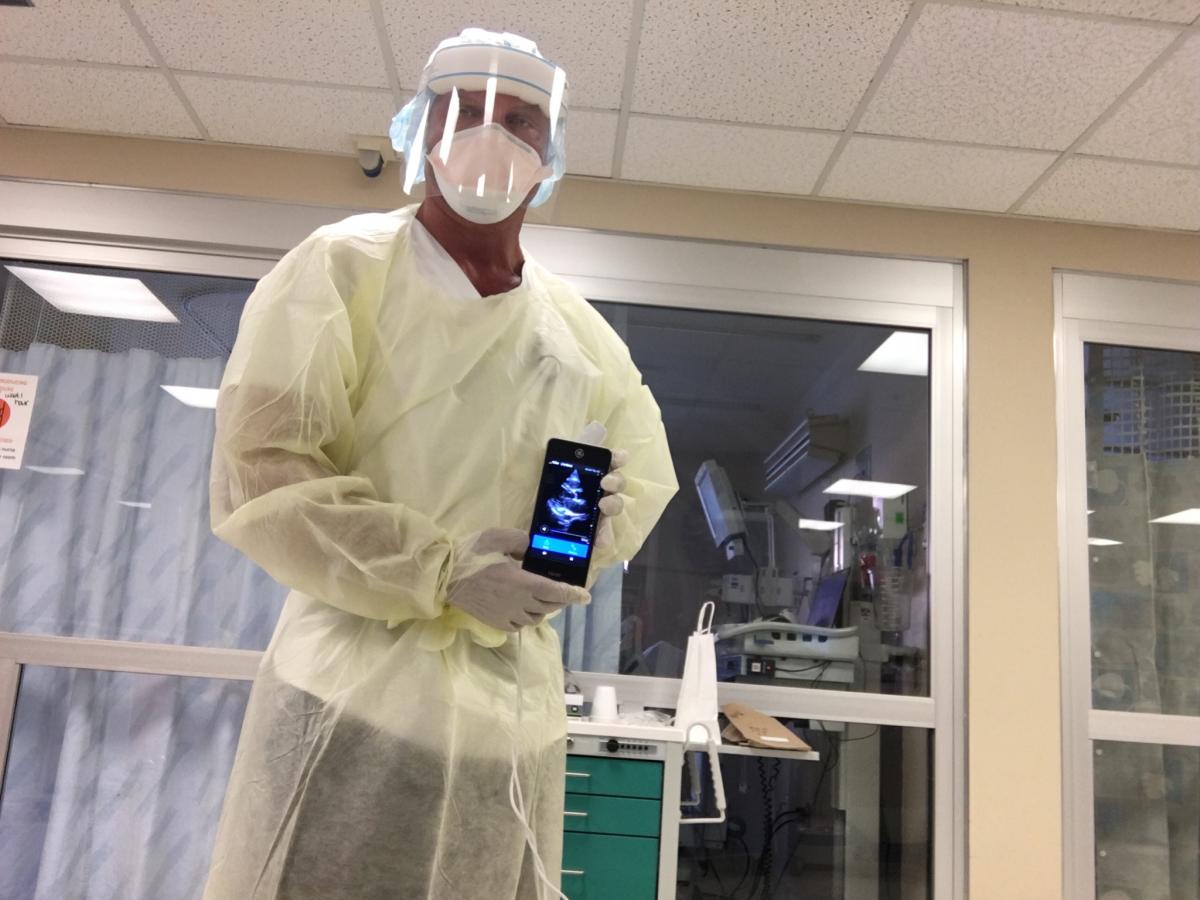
pixel 791 489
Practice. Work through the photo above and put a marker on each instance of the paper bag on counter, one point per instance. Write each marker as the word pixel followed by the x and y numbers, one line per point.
pixel 760 730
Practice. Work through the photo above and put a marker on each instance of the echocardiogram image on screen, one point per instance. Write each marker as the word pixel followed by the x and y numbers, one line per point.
pixel 566 512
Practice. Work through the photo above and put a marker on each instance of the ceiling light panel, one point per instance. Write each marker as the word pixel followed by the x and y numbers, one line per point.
pixel 819 525
pixel 885 490
pixel 1183 517
pixel 903 353
pixel 69 471
pixel 200 398
pixel 106 296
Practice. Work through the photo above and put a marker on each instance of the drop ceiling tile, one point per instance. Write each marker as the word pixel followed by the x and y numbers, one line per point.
pixel 1101 190
pixel 1008 77
pixel 762 61
pixel 591 140
pixel 88 30
pixel 915 173
pixel 124 101
pixel 1161 10
pixel 1162 119
pixel 589 40
pixel 287 115
pixel 736 157
pixel 307 40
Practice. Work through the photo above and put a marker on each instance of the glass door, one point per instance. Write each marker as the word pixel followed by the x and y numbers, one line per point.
pixel 1131 435
pixel 126 628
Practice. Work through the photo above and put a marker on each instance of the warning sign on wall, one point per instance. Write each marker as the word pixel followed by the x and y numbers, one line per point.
pixel 16 411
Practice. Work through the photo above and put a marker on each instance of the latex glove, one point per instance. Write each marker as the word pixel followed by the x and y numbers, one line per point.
pixel 613 502
pixel 489 583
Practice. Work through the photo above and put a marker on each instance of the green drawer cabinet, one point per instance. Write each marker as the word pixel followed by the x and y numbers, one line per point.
pixel 612 815
pixel 614 777
pixel 609 867
pixel 611 822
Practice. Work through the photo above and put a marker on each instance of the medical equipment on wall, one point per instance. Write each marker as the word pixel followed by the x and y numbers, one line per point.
pixel 722 508
pixel 814 447
pixel 780 649
pixel 893 571
pixel 787 640
pixel 729 517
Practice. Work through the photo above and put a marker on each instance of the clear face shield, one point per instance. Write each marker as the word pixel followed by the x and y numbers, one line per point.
pixel 493 142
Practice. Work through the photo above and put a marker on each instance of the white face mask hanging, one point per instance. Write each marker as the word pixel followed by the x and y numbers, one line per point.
pixel 485 173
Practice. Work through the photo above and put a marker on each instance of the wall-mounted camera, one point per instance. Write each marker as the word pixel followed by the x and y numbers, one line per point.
pixel 373 154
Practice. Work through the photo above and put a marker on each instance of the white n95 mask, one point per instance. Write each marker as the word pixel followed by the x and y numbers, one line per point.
pixel 485 173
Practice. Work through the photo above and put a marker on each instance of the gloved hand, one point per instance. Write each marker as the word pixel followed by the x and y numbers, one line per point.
pixel 489 583
pixel 613 502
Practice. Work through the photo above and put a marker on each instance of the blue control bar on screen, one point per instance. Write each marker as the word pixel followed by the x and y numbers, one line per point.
pixel 555 545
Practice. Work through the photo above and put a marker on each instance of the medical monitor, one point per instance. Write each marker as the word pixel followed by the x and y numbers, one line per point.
pixel 828 600
pixel 722 508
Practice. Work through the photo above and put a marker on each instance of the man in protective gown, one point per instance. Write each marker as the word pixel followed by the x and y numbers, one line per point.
pixel 380 433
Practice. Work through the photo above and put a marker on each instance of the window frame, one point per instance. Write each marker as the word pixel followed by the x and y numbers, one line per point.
pixel 1093 308
pixel 168 231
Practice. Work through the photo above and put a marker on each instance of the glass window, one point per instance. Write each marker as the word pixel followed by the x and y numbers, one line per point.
pixel 764 414
pixel 107 529
pixel 1147 807
pixel 114 783
pixel 857 823
pixel 1143 480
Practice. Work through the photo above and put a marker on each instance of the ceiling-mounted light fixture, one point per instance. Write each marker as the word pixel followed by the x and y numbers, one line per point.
pixel 1103 542
pixel 200 398
pixel 904 353
pixel 885 490
pixel 1183 517
pixel 55 470
pixel 106 296
pixel 819 525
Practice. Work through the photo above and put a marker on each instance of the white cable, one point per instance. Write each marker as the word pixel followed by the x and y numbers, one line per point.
pixel 516 798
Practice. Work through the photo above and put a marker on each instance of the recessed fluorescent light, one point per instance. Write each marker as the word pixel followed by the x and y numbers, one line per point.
pixel 819 525
pixel 1090 511
pixel 1183 517
pixel 904 353
pixel 133 504
pixel 54 470
pixel 884 489
pixel 95 295
pixel 201 398
pixel 1103 542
